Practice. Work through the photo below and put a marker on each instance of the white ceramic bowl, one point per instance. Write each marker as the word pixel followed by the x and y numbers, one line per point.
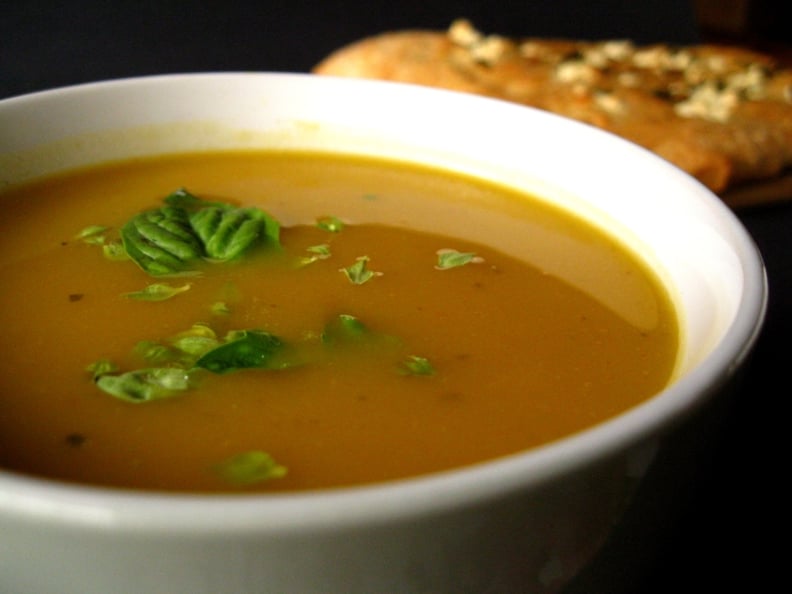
pixel 526 523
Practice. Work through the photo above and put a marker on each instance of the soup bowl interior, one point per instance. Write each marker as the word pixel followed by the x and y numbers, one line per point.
pixel 526 522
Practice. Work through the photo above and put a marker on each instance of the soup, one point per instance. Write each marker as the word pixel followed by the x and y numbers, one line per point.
pixel 388 321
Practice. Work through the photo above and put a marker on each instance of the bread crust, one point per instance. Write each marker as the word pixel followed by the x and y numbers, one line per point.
pixel 723 114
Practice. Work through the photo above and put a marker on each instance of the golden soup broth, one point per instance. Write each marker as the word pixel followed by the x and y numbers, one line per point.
pixel 551 329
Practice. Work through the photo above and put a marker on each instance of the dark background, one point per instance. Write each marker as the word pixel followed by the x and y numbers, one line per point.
pixel 45 43
pixel 726 535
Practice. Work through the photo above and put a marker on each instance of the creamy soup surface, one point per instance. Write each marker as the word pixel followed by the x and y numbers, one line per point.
pixel 426 321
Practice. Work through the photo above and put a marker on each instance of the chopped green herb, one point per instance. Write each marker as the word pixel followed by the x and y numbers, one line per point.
pixel 194 343
pixel 250 467
pixel 157 292
pixel 154 352
pixel 318 252
pixel 100 368
pixel 93 234
pixel 452 258
pixel 331 224
pixel 247 349
pixel 185 348
pixel 344 329
pixel 359 273
pixel 91 231
pixel 199 329
pixel 145 385
pixel 348 331
pixel 415 365
pixel 195 346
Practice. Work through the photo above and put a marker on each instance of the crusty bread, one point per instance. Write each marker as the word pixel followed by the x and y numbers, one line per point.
pixel 723 114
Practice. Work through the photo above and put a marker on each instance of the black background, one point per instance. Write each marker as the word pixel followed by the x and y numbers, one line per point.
pixel 46 43
pixel 726 535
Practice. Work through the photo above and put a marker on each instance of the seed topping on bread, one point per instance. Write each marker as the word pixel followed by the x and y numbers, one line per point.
pixel 700 82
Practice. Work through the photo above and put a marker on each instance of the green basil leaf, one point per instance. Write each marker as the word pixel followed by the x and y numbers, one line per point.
pixel 199 329
pixel 195 346
pixel 162 242
pixel 101 367
pixel 250 468
pixel 344 329
pixel 172 240
pixel 155 353
pixel 194 343
pixel 348 331
pixel 415 365
pixel 227 233
pixel 317 252
pixel 359 272
pixel 246 350
pixel 145 385
pixel 452 259
pixel 93 234
pixel 157 292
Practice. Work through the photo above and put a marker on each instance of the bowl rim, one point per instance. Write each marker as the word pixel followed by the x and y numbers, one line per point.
pixel 176 513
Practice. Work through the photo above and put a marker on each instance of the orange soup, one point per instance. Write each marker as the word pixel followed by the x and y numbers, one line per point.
pixel 316 321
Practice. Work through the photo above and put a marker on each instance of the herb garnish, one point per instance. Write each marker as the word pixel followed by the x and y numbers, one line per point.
pixel 448 258
pixel 249 468
pixel 348 334
pixel 415 365
pixel 317 252
pixel 195 342
pixel 359 273
pixel 198 349
pixel 93 234
pixel 155 353
pixel 245 349
pixel 157 292
pixel 101 367
pixel 344 329
pixel 176 239
pixel 161 241
pixel 173 239
pixel 172 368
pixel 145 385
